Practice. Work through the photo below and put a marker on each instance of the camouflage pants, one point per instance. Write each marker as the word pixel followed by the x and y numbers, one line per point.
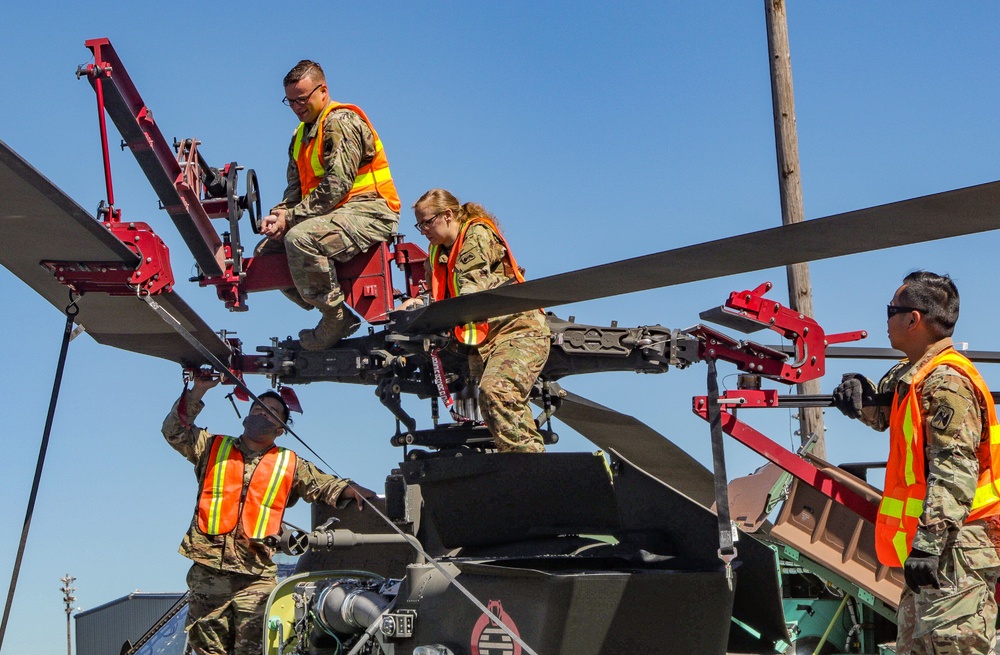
pixel 960 617
pixel 226 611
pixel 316 243
pixel 506 376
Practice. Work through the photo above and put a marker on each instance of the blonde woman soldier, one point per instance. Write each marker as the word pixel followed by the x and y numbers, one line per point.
pixel 468 254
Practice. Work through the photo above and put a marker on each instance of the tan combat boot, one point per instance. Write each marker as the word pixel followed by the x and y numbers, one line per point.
pixel 335 325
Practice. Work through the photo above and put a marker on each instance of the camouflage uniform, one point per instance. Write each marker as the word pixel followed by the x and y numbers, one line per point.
pixel 232 576
pixel 317 231
pixel 508 362
pixel 961 616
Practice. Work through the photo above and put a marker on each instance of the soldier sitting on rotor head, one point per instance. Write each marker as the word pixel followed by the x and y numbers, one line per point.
pixel 340 201
pixel 507 353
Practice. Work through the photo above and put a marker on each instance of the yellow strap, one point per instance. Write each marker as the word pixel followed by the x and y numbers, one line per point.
pixel 899 543
pixel 278 474
pixel 218 484
pixel 985 495
pixel 371 177
pixel 891 507
pixel 914 507
pixel 908 472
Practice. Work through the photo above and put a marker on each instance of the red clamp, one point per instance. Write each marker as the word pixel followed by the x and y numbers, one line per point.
pixel 749 311
pixel 151 276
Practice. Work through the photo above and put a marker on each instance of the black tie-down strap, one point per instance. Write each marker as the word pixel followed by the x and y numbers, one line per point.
pixel 727 543
pixel 71 311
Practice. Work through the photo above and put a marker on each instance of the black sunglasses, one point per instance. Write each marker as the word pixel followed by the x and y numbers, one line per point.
pixel 892 310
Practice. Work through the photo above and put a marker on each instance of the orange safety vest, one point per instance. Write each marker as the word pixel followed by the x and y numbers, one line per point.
pixel 221 501
pixel 372 177
pixel 905 474
pixel 444 279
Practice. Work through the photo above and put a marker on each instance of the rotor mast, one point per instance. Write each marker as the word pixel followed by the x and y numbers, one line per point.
pixel 790 187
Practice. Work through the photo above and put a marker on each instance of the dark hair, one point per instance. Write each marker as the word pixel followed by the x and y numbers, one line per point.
pixel 937 298
pixel 304 69
pixel 274 394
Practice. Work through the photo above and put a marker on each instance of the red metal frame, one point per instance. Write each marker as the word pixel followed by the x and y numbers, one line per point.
pixel 412 260
pixel 153 274
pixel 810 344
pixel 809 339
pixel 782 457
pixel 117 95
pixel 366 279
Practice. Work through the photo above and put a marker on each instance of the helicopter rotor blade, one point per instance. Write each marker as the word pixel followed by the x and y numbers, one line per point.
pixel 927 218
pixel 865 352
pixel 38 221
pixel 640 444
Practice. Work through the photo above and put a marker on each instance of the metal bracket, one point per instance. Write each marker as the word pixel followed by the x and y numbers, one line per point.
pixel 151 276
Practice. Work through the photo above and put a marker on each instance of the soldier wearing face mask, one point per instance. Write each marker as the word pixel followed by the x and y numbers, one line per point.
pixel 244 486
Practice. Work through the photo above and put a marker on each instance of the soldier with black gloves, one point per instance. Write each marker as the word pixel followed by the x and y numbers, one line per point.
pixel 941 490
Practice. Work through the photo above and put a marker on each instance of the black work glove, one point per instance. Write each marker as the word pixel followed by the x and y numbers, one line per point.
pixel 849 394
pixel 920 570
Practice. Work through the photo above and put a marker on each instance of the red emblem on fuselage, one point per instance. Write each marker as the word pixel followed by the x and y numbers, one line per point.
pixel 488 638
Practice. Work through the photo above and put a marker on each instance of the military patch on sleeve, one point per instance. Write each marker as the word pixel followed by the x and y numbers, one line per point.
pixel 942 418
pixel 467 257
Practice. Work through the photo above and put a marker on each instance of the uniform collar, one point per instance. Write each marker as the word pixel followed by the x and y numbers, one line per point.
pixel 247 451
pixel 313 128
pixel 936 349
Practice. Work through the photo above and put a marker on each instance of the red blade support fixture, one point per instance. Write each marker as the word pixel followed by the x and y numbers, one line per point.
pixel 178 190
pixel 193 193
pixel 749 311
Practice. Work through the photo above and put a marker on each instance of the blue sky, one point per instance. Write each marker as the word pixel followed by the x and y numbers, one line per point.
pixel 595 131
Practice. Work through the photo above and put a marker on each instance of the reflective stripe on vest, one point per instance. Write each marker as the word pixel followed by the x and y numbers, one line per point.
pixel 221 504
pixel 905 483
pixel 373 177
pixel 223 480
pixel 444 279
pixel 269 488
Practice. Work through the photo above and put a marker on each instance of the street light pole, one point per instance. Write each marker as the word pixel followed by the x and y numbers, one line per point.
pixel 69 599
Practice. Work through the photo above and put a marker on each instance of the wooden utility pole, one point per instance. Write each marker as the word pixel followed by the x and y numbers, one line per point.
pixel 790 185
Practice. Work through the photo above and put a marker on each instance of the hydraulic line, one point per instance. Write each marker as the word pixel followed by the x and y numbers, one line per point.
pixel 71 311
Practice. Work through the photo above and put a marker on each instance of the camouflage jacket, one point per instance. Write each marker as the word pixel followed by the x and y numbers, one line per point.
pixel 480 266
pixel 235 552
pixel 953 429
pixel 348 144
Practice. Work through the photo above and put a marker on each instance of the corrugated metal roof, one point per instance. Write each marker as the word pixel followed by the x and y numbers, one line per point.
pixel 103 629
